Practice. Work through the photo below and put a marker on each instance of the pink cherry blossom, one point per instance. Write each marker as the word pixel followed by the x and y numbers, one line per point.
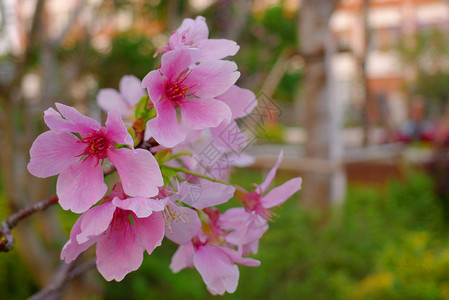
pixel 214 259
pixel 194 34
pixel 183 223
pixel 124 100
pixel 192 89
pixel 78 158
pixel 250 221
pixel 122 228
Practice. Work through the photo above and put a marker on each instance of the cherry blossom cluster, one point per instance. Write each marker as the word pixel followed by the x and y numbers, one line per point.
pixel 153 133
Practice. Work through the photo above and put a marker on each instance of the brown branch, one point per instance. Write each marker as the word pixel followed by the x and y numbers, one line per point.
pixel 66 273
pixel 7 239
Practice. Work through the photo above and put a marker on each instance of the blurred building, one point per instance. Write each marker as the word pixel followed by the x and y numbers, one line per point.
pixel 387 23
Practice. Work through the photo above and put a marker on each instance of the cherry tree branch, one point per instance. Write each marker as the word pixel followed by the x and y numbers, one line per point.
pixel 65 273
pixel 6 237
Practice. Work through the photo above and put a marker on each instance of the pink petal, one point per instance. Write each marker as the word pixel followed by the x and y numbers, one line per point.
pixel 237 258
pixel 195 29
pixel 57 123
pixel 138 170
pixel 116 129
pixel 205 194
pixel 95 221
pixel 263 187
pixel 229 136
pixel 280 194
pixel 219 273
pixel 248 232
pixel 150 231
pixel 80 186
pixel 130 88
pixel 183 258
pixel 242 159
pixel 83 123
pixel 162 49
pixel 214 49
pixel 174 62
pixel 252 247
pixel 52 153
pixel 72 249
pixel 212 78
pixel 182 223
pixel 142 207
pixel 241 101
pixel 234 218
pixel 165 127
pixel 118 253
pixel 204 113
pixel 110 99
pixel 154 83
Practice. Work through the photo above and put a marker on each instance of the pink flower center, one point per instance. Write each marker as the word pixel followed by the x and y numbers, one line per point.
pixel 251 202
pixel 179 91
pixel 97 147
pixel 122 221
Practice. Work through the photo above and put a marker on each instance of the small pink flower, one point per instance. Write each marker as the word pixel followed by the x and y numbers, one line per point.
pixel 192 88
pixel 124 100
pixel 212 256
pixel 216 264
pixel 250 222
pixel 193 34
pixel 183 223
pixel 122 228
pixel 78 158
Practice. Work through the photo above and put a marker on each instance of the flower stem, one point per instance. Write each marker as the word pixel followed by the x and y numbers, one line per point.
pixel 183 170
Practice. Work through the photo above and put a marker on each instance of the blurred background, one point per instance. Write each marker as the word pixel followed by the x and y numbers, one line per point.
pixel 355 91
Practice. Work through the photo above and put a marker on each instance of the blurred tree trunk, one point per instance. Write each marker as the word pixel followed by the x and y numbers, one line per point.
pixel 319 188
pixel 362 60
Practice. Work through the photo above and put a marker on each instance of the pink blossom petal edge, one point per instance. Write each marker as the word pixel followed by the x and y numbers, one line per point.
pixel 138 170
pixel 95 221
pixel 205 193
pixel 80 186
pixel 110 99
pixel 165 128
pixel 214 49
pixel 142 207
pixel 72 249
pixel 204 113
pixel 218 271
pixel 212 78
pixel 83 123
pixel 118 254
pixel 116 129
pixel 150 231
pixel 264 186
pixel 280 194
pixel 183 258
pixel 241 101
pixel 130 88
pixel 52 153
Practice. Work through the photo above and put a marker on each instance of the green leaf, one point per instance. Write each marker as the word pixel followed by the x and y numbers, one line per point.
pixel 141 107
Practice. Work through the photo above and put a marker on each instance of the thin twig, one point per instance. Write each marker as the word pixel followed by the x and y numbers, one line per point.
pixel 7 241
pixel 66 273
